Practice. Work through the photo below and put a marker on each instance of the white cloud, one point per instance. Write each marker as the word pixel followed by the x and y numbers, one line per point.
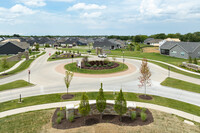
pixel 36 3
pixel 83 6
pixel 91 15
pixel 63 0
pixel 21 9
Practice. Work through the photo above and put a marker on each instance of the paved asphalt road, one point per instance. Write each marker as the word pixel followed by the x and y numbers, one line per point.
pixel 48 81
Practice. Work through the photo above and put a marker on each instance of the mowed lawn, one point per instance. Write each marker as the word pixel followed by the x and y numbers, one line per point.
pixel 180 84
pixel 10 64
pixel 15 84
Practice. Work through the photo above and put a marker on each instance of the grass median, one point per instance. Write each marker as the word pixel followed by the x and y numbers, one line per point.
pixel 14 85
pixel 180 84
pixel 52 98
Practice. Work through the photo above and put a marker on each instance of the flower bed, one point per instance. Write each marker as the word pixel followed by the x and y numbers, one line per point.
pixel 100 65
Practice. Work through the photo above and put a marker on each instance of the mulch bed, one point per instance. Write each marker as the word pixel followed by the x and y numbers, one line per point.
pixel 100 68
pixel 145 97
pixel 67 96
pixel 95 119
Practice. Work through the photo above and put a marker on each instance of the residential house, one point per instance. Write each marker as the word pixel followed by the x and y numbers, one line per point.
pixel 13 47
pixel 107 44
pixel 181 49
pixel 169 40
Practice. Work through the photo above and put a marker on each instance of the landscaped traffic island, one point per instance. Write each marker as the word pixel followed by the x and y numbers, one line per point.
pixel 96 67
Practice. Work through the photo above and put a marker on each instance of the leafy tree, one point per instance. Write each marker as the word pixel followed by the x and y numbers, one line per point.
pixel 84 106
pixel 101 101
pixel 37 47
pixel 4 64
pixel 190 59
pixel 145 75
pixel 30 51
pixel 120 104
pixel 137 47
pixel 195 61
pixel 68 78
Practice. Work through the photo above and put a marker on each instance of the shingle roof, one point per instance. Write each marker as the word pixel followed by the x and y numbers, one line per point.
pixel 22 45
pixel 187 46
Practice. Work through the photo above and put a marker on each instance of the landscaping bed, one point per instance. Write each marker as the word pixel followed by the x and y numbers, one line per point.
pixel 100 65
pixel 95 119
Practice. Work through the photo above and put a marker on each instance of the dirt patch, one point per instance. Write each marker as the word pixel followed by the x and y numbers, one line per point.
pixel 145 97
pixel 94 119
pixel 151 50
pixel 67 96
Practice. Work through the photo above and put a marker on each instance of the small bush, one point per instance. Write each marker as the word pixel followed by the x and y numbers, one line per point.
pixel 104 65
pixel 95 66
pixel 61 115
pixel 58 113
pixel 99 65
pixel 58 120
pixel 88 65
pixel 133 115
pixel 71 118
pixel 144 110
pixel 109 65
pixel 143 116
pixel 61 108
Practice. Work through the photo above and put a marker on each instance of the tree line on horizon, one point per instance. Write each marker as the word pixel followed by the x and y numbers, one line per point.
pixel 189 37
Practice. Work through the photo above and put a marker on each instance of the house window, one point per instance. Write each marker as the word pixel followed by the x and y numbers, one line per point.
pixel 174 52
pixel 182 53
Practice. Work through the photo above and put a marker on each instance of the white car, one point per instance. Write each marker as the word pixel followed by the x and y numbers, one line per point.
pixel 102 56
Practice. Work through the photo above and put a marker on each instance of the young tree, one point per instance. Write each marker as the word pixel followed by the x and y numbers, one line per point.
pixel 120 104
pixel 84 106
pixel 101 101
pixel 30 51
pixel 5 64
pixel 190 59
pixel 145 75
pixel 37 47
pixel 195 61
pixel 68 77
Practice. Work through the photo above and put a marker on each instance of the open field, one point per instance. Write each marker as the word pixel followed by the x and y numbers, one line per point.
pixel 40 121
pixel 52 98
pixel 15 84
pixel 175 83
pixel 151 50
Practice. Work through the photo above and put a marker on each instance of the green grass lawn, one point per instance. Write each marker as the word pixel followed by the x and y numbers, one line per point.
pixel 10 64
pixel 15 84
pixel 175 83
pixel 34 53
pixel 30 122
pixel 51 98
pixel 72 67
pixel 22 67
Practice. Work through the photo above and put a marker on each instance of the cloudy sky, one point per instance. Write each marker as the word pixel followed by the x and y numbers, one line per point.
pixel 98 17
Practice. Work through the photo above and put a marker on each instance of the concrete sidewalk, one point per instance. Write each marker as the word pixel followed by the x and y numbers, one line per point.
pixel 138 104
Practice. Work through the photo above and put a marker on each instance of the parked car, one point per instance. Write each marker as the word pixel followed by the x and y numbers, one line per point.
pixel 102 55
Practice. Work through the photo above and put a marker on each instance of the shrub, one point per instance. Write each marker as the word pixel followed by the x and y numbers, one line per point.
pixel 95 66
pixel 144 110
pixel 88 65
pixel 133 115
pixel 71 118
pixel 195 61
pixel 58 120
pixel 109 64
pixel 58 113
pixel 99 65
pixel 61 108
pixel 104 65
pixel 106 61
pixel 143 116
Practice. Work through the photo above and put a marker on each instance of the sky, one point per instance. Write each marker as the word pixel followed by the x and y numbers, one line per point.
pixel 98 17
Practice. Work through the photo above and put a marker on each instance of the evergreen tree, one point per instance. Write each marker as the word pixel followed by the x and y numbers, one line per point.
pixel 120 104
pixel 195 61
pixel 84 106
pixel 190 59
pixel 101 101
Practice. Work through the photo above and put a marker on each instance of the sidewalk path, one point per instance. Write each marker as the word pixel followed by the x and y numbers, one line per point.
pixel 18 64
pixel 165 64
pixel 139 104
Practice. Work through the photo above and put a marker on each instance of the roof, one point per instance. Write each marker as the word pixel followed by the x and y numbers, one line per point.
pixel 187 46
pixel 155 41
pixel 148 39
pixel 22 45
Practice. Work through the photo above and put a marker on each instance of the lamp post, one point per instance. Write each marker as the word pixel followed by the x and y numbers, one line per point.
pixel 168 71
pixel 29 73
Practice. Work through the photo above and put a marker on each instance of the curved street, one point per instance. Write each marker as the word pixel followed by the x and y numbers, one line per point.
pixel 47 81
